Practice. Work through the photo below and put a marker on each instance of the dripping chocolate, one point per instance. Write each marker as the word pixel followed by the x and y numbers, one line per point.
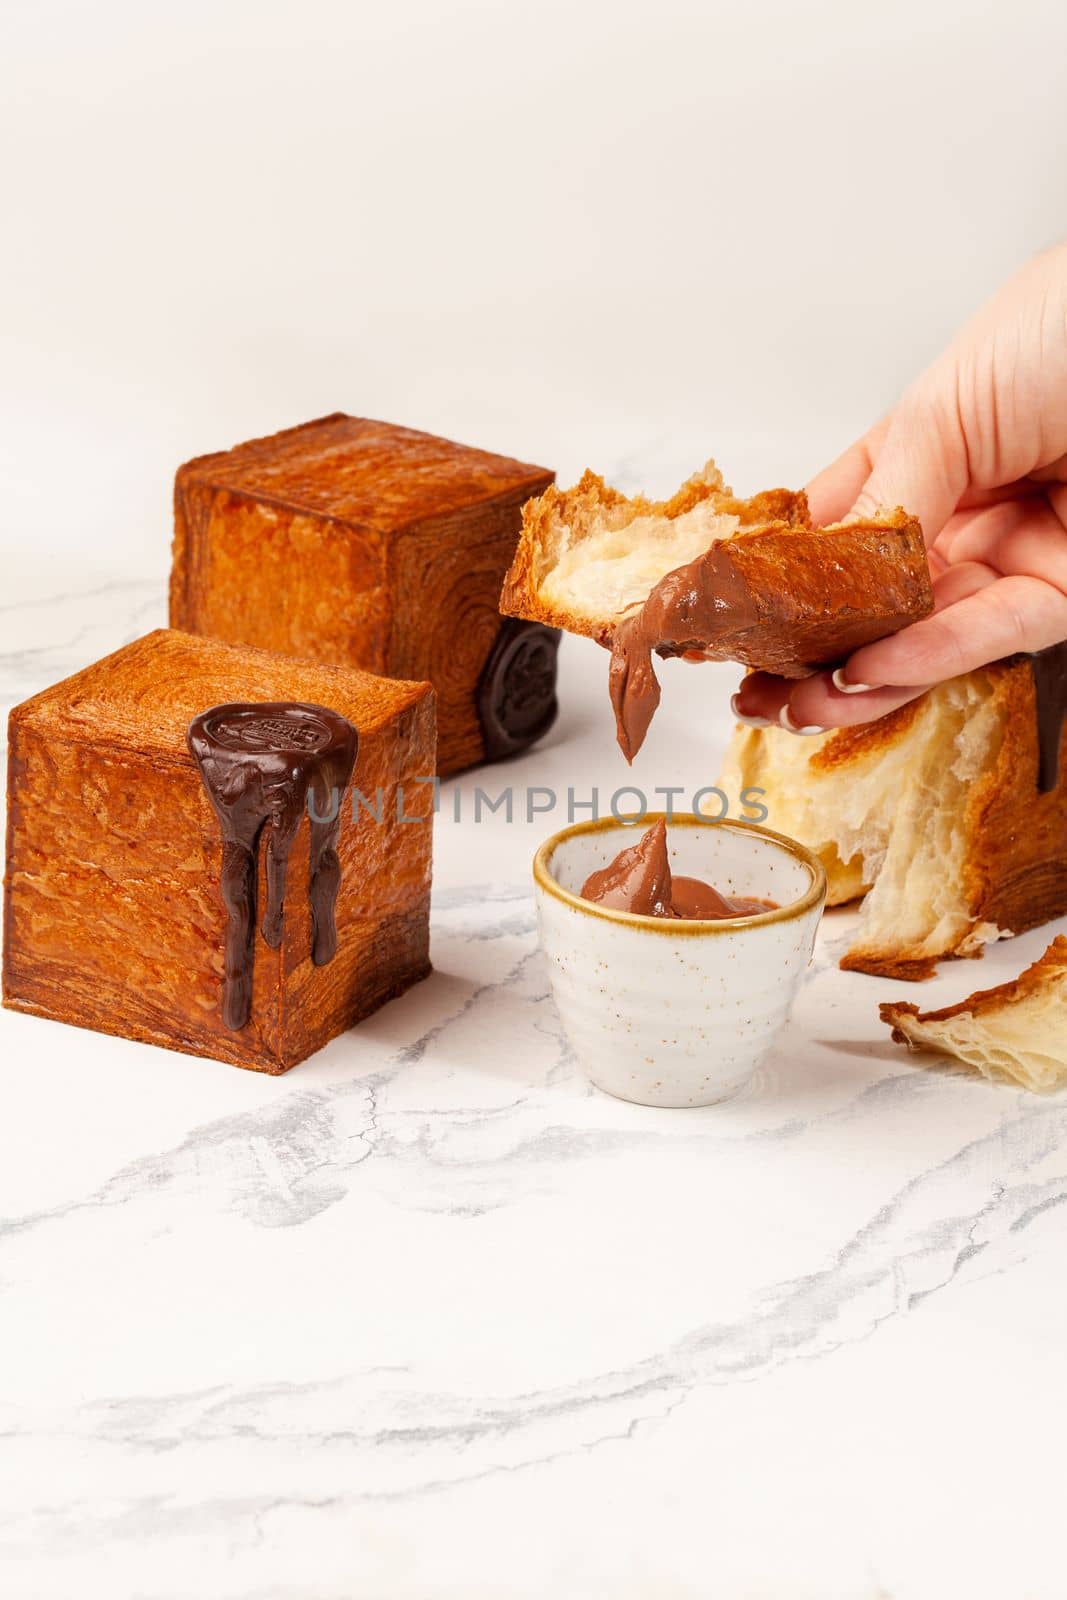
pixel 262 766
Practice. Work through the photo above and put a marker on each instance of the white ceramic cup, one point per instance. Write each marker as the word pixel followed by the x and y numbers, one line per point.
pixel 666 1012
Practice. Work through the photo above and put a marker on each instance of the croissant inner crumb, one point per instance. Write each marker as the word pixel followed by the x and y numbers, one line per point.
pixel 618 567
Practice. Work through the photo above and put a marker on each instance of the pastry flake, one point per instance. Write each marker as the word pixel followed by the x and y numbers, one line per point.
pixel 1015 1033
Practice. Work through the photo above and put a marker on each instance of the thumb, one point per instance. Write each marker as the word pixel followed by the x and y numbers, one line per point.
pixel 922 464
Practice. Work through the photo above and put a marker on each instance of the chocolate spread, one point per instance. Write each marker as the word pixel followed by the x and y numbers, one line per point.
pixel 262 765
pixel 687 610
pixel 1050 690
pixel 640 880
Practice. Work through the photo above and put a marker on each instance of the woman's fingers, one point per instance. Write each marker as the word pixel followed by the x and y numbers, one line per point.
pixel 1011 614
pixel 832 492
pixel 981 618
pixel 915 457
pixel 1019 537
pixel 922 463
pixel 954 584
pixel 987 421
pixel 977 451
pixel 812 704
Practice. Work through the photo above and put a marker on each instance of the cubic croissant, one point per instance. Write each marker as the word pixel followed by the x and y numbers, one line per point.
pixel 949 814
pixel 361 544
pixel 220 850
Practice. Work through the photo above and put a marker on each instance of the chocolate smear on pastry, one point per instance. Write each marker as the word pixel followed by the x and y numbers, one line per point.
pixel 781 600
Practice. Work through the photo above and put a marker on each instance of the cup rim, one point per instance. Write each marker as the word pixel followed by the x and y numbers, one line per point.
pixel 813 896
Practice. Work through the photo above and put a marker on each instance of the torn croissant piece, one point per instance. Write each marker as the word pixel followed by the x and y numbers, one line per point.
pixel 1015 1033
pixel 949 814
pixel 708 573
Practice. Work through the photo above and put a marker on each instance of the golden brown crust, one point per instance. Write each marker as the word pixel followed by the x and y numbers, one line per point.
pixel 363 472
pixel 143 697
pixel 1016 870
pixel 359 544
pixel 1049 968
pixel 113 912
pixel 909 969
pixel 863 739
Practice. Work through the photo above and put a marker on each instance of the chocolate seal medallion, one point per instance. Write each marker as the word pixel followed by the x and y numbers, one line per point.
pixel 516 693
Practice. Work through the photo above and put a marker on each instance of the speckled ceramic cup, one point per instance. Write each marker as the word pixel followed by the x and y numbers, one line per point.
pixel 671 1013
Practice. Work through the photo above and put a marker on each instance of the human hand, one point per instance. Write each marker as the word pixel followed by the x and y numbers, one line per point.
pixel 977 450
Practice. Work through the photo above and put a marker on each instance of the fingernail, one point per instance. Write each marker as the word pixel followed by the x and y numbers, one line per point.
pixel 785 717
pixel 837 678
pixel 749 722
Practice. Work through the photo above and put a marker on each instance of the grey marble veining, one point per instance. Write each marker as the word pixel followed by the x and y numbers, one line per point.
pixel 431 1315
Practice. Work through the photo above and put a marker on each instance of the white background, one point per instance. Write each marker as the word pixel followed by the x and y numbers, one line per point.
pixel 569 231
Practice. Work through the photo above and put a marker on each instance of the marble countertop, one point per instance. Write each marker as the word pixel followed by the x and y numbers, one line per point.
pixel 429 1316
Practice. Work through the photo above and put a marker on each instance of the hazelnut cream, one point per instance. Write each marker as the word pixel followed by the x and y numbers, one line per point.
pixel 640 880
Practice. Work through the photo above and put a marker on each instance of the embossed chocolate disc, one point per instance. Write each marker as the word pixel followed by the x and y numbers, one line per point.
pixel 516 694
pixel 273 731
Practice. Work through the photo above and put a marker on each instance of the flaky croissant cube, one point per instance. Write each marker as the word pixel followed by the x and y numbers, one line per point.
pixel 362 544
pixel 118 911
